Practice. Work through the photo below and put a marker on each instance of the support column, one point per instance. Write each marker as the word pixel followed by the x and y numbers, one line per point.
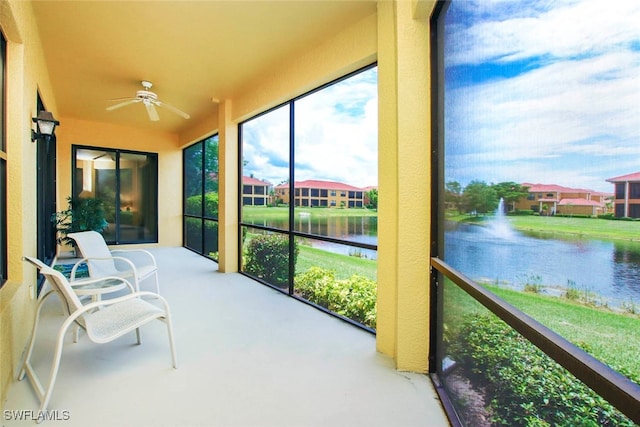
pixel 228 190
pixel 404 182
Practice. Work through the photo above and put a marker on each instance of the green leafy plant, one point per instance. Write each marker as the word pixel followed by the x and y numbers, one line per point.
pixel 354 297
pixel 194 204
pixel 82 214
pixel 525 386
pixel 267 257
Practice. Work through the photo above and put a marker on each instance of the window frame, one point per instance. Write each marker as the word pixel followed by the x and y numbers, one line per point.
pixel 3 163
pixel 606 382
pixel 299 197
pixel 154 190
pixel 203 217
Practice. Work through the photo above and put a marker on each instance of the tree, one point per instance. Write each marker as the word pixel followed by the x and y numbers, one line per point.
pixel 510 192
pixel 453 194
pixel 373 197
pixel 479 198
pixel 199 161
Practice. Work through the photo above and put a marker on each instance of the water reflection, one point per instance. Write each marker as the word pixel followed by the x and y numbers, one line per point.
pixel 611 270
pixel 360 229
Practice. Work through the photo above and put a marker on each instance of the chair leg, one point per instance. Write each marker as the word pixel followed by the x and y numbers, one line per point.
pixel 138 335
pixel 55 365
pixel 174 358
pixel 34 331
pixel 155 274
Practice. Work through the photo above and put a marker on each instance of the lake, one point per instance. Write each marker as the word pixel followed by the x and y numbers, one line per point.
pixel 360 229
pixel 607 268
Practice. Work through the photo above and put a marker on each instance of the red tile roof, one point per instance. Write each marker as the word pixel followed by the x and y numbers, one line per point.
pixel 542 188
pixel 625 178
pixel 325 185
pixel 253 181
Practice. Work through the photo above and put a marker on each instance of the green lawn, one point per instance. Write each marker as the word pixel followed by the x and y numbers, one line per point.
pixel 344 265
pixel 612 337
pixel 583 227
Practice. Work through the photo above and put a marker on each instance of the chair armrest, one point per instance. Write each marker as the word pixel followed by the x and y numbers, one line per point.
pixel 131 266
pixel 142 255
pixel 84 282
pixel 107 302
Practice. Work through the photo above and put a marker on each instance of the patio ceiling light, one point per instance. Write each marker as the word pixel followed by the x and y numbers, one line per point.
pixel 45 125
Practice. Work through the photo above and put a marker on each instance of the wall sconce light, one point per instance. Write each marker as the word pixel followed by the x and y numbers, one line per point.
pixel 45 124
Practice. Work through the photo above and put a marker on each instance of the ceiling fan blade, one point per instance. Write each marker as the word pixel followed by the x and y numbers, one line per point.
pixel 151 110
pixel 172 108
pixel 122 104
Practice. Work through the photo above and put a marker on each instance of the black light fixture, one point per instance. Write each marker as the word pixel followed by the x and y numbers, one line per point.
pixel 45 125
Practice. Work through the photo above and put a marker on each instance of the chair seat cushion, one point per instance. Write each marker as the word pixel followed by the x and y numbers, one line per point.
pixel 113 321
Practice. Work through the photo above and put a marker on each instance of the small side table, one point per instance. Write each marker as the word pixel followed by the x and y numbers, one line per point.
pixel 97 287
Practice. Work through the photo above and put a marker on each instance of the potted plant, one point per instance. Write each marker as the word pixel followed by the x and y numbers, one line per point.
pixel 82 214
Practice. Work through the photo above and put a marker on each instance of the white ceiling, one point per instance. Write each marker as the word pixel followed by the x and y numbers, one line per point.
pixel 192 51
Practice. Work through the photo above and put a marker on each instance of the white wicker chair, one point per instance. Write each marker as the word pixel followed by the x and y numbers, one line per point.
pixel 134 264
pixel 104 321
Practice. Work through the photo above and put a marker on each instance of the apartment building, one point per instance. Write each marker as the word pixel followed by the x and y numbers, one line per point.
pixel 627 195
pixel 552 199
pixel 318 193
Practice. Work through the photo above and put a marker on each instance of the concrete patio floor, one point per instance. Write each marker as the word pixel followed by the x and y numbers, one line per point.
pixel 247 355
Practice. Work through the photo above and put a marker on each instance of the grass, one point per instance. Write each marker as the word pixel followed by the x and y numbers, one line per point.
pixel 344 265
pixel 581 227
pixel 611 337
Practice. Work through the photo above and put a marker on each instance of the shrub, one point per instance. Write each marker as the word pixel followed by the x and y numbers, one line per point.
pixel 82 214
pixel 607 216
pixel 267 258
pixel 523 212
pixel 354 297
pixel 194 204
pixel 525 386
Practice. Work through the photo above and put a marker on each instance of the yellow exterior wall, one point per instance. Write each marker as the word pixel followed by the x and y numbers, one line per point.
pixel 26 76
pixel 95 134
pixel 404 170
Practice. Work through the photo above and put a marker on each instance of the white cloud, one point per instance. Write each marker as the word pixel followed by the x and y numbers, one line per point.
pixel 336 136
pixel 572 117
pixel 513 30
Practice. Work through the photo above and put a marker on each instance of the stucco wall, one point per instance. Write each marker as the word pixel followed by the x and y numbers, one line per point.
pixel 95 134
pixel 26 76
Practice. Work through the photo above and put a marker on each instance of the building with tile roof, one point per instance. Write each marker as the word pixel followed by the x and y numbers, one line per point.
pixel 318 193
pixel 552 199
pixel 627 195
pixel 255 192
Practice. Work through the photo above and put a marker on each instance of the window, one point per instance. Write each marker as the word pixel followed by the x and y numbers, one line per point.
pixel 634 190
pixel 295 146
pixel 127 184
pixel 200 169
pixel 620 190
pixel 523 99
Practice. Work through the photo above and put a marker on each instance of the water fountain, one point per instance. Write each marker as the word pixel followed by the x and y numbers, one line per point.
pixel 499 226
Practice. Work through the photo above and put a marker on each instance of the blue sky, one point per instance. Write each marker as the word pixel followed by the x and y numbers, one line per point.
pixel 542 91
pixel 336 136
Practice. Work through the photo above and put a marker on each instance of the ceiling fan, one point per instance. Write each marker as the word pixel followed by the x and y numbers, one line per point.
pixel 150 101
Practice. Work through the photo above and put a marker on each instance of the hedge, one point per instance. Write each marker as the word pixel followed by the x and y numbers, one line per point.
pixel 525 387
pixel 354 298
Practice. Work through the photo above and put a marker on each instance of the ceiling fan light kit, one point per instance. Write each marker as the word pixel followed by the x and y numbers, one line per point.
pixel 149 100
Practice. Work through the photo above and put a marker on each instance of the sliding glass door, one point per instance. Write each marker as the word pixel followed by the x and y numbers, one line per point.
pixel 126 182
